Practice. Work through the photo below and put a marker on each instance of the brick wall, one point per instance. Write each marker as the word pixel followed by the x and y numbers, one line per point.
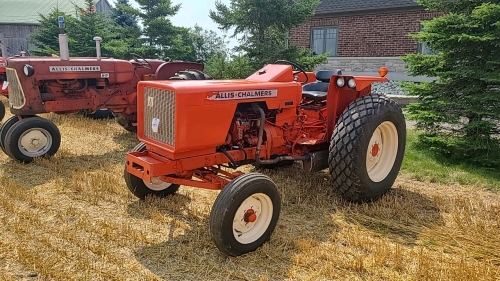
pixel 368 35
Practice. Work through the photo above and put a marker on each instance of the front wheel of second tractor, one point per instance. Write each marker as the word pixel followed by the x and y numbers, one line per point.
pixel 2 111
pixel 367 148
pixel 141 189
pixel 31 138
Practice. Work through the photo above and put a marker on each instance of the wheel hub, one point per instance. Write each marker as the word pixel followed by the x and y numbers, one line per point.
pixel 247 215
pixel 250 216
pixel 376 148
pixel 379 161
pixel 156 184
pixel 34 140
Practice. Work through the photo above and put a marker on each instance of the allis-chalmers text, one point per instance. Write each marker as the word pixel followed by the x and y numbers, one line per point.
pixel 237 95
pixel 74 68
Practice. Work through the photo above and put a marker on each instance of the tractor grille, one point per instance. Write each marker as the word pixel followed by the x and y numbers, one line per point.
pixel 16 93
pixel 160 105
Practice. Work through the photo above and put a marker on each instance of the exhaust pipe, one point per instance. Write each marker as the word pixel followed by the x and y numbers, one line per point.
pixel 98 46
pixel 63 40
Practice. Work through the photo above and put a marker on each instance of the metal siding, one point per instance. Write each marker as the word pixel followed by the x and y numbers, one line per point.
pixel 17 36
pixel 21 22
pixel 103 6
pixel 27 11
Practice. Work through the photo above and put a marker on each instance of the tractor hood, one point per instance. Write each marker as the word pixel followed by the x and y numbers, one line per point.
pixel 194 109
pixel 47 68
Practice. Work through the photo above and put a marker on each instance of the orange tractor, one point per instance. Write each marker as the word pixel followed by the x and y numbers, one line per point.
pixel 65 85
pixel 190 130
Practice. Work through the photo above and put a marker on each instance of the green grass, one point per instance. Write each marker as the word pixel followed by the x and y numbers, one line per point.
pixel 424 165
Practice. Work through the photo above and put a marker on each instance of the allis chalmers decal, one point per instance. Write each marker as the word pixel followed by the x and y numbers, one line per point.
pixel 74 68
pixel 238 95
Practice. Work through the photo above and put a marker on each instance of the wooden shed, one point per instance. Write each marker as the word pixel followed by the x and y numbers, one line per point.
pixel 19 19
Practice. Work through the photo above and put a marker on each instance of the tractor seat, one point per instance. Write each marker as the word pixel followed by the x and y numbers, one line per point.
pixel 315 91
pixel 324 75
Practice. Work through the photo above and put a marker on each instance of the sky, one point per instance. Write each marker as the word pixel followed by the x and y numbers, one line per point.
pixel 196 12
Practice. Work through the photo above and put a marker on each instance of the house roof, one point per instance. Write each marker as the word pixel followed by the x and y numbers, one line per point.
pixel 26 11
pixel 339 6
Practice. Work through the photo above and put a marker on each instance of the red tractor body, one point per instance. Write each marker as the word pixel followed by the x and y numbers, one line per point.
pixel 82 84
pixel 4 88
pixel 45 84
pixel 189 130
pixel 3 78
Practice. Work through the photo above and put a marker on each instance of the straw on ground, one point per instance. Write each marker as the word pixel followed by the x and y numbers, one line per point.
pixel 72 218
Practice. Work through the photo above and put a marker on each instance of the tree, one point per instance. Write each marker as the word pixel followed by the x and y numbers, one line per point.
pixel 122 17
pixel 46 37
pixel 128 31
pixel 204 44
pixel 467 92
pixel 264 26
pixel 162 39
pixel 91 24
pixel 81 31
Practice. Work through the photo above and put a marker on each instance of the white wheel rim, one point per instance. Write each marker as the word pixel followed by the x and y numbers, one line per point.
pixel 35 142
pixel 248 228
pixel 382 151
pixel 157 184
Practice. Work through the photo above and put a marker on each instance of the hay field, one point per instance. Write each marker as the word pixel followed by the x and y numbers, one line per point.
pixel 72 218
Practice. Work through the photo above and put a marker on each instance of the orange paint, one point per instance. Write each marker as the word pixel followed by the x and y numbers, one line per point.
pixel 382 71
pixel 375 150
pixel 250 216
pixel 198 120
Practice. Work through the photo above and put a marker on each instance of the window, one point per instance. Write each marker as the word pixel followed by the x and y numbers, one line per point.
pixel 324 40
pixel 423 48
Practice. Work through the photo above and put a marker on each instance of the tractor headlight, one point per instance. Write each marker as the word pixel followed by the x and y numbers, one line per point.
pixel 340 82
pixel 28 70
pixel 351 83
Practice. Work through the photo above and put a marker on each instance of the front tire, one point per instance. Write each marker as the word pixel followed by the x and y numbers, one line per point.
pixel 367 148
pixel 245 214
pixel 31 138
pixel 2 111
pixel 3 130
pixel 141 189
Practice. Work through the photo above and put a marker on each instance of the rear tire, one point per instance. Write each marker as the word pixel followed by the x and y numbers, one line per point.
pixel 142 189
pixel 245 214
pixel 367 148
pixel 191 74
pixel 32 138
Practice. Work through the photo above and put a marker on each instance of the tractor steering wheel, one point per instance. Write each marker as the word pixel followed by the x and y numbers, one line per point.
pixel 300 69
pixel 136 57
